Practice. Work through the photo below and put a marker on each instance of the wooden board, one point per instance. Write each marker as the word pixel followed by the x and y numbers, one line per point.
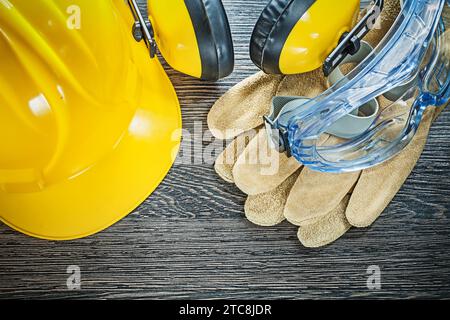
pixel 191 240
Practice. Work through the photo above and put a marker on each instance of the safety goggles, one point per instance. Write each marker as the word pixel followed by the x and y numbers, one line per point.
pixel 374 111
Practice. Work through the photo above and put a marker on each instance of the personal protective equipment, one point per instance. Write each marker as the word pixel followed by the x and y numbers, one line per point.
pixel 324 205
pixel 89 124
pixel 296 36
pixel 348 126
pixel 409 67
pixel 193 36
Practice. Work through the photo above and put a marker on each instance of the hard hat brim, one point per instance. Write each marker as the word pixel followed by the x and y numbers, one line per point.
pixel 112 188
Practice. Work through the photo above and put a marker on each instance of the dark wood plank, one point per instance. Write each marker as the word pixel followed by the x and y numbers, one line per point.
pixel 190 239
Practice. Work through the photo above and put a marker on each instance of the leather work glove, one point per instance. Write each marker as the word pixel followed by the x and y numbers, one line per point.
pixel 324 205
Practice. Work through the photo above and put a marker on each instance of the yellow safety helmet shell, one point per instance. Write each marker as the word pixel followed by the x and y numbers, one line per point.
pixel 89 124
pixel 193 36
pixel 296 36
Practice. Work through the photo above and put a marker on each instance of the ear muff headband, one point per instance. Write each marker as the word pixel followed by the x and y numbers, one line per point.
pixel 271 31
pixel 214 39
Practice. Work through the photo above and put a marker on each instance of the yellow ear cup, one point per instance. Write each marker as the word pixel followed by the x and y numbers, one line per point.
pixel 89 124
pixel 193 36
pixel 296 36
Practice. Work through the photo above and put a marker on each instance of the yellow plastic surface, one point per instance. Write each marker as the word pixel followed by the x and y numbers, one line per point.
pixel 175 35
pixel 89 124
pixel 316 34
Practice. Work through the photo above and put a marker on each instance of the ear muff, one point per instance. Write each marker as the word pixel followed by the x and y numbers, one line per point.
pixel 296 36
pixel 193 36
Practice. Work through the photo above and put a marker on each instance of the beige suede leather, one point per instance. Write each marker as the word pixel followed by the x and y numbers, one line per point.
pixel 377 186
pixel 327 229
pixel 260 168
pixel 242 108
pixel 225 162
pixel 315 194
pixel 266 209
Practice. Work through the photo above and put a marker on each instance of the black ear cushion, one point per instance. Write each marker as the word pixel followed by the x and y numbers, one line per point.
pixel 213 36
pixel 272 30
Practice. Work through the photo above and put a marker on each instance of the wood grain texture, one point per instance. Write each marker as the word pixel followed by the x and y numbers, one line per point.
pixel 190 239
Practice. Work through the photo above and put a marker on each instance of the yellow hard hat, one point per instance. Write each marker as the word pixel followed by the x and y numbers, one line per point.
pixel 296 36
pixel 89 124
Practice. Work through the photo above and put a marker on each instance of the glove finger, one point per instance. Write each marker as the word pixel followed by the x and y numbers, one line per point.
pixel 378 186
pixel 242 108
pixel 260 168
pixel 266 209
pixel 315 194
pixel 327 229
pixel 226 160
